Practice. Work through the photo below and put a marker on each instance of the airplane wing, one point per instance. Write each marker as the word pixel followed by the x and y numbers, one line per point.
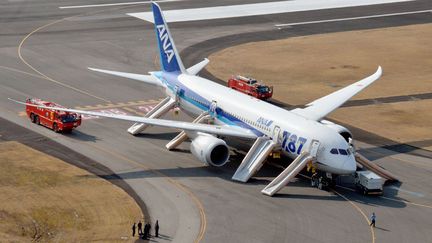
pixel 150 79
pixel 225 130
pixel 321 107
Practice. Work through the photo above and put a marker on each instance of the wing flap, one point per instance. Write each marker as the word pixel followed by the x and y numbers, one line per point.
pixel 318 109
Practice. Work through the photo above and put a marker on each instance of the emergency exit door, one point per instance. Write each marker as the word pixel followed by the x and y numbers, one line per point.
pixel 276 132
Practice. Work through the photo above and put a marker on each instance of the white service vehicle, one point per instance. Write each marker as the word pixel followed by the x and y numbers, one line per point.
pixel 368 182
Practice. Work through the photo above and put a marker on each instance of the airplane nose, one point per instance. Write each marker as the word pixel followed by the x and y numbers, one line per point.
pixel 350 166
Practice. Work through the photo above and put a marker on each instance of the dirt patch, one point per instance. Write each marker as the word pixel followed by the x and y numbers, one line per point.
pixel 45 199
pixel 305 68
pixel 406 122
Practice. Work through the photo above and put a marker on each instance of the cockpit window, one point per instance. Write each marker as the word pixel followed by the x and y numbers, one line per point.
pixel 334 151
pixel 343 152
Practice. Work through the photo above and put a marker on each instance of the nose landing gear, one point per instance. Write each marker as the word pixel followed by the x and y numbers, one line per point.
pixel 322 181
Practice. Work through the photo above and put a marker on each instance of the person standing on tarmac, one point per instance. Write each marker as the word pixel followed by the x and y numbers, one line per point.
pixel 144 236
pixel 149 228
pixel 372 218
pixel 133 229
pixel 157 228
pixel 140 228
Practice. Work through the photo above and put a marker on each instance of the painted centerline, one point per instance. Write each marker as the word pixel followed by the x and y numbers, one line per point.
pixel 354 18
pixel 256 9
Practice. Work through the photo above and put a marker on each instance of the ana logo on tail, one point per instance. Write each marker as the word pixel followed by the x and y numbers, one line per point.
pixel 166 44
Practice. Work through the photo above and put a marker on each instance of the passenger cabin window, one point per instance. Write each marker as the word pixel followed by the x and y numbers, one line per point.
pixel 343 152
pixel 334 151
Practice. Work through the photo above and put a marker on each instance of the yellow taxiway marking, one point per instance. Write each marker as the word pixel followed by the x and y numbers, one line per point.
pixel 360 211
pixel 170 180
pixel 43 75
pixel 197 202
pixel 346 199
pixel 407 202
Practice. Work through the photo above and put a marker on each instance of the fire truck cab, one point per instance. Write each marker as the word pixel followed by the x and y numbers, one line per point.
pixel 59 121
pixel 250 87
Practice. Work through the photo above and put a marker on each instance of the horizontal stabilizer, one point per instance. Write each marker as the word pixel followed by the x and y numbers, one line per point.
pixel 195 69
pixel 140 77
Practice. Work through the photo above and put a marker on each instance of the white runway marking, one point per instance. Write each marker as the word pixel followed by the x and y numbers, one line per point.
pixel 256 9
pixel 114 4
pixel 353 18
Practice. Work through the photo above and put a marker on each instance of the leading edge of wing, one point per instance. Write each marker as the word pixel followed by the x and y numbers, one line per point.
pixel 212 129
pixel 140 77
pixel 318 109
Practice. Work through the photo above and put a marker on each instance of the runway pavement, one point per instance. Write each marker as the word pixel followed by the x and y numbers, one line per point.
pixel 45 52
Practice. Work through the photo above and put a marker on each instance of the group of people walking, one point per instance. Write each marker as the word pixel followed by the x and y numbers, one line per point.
pixel 145 233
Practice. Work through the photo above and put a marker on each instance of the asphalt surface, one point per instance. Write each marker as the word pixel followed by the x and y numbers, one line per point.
pixel 193 202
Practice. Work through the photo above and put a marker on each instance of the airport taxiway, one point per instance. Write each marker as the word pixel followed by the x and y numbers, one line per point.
pixel 46 51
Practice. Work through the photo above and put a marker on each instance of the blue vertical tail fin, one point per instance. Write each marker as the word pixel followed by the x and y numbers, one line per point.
pixel 169 57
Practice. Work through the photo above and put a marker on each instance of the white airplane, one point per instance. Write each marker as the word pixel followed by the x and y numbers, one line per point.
pixel 302 134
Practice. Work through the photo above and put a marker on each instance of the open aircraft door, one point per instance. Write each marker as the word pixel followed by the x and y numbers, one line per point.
pixel 276 133
pixel 213 109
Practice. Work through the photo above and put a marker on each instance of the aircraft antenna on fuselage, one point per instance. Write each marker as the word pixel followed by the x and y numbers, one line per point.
pixel 169 57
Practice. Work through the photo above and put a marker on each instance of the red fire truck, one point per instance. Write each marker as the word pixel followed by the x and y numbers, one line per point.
pixel 56 120
pixel 250 87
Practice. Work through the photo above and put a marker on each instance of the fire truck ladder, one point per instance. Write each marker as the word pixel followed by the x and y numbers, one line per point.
pixel 182 136
pixel 375 168
pixel 292 170
pixel 254 159
pixel 160 109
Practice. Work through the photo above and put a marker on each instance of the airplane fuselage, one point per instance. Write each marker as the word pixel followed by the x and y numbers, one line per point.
pixel 294 133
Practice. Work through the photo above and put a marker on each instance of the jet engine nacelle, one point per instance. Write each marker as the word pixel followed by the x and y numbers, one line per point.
pixel 343 131
pixel 210 150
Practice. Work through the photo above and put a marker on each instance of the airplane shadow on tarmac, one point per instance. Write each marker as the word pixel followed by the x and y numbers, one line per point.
pixel 374 200
pixel 413 148
pixel 261 178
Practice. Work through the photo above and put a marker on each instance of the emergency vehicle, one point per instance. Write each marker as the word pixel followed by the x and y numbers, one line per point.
pixel 250 87
pixel 56 120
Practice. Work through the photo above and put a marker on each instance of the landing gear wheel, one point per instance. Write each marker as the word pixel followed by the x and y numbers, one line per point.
pixel 320 185
pixel 314 181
